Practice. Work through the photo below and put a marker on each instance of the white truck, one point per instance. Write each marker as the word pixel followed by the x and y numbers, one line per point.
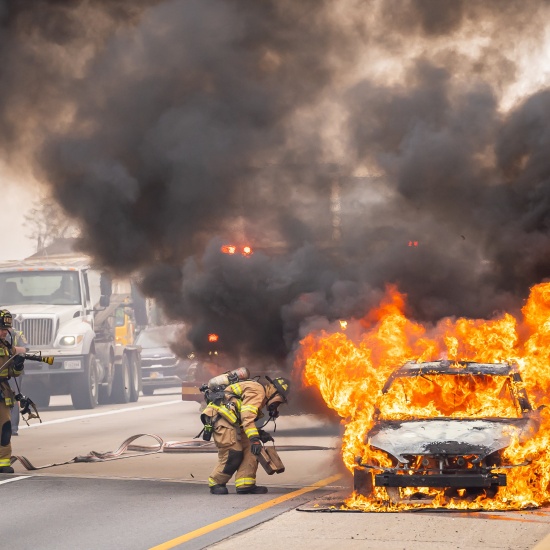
pixel 68 309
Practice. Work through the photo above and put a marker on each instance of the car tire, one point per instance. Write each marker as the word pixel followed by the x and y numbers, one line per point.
pixel 363 482
pixel 394 494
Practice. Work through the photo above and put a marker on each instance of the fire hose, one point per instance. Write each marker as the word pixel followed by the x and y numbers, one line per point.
pixel 191 446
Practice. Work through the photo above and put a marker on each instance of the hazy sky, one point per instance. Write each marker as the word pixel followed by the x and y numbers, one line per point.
pixel 17 199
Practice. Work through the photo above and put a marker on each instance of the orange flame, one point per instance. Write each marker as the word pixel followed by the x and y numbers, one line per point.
pixel 232 249
pixel 350 375
pixel 213 337
pixel 228 249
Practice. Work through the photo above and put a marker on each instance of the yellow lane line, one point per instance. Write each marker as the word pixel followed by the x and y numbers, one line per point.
pixel 544 544
pixel 244 514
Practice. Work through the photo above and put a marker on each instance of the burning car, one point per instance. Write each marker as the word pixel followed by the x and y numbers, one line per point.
pixel 445 425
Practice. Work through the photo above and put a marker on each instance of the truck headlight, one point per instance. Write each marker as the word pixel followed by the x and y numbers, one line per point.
pixel 70 340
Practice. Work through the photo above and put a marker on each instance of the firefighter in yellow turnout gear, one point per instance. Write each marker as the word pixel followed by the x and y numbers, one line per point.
pixel 11 365
pixel 232 418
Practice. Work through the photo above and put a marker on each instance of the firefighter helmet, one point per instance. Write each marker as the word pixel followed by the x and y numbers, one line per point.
pixel 282 385
pixel 6 320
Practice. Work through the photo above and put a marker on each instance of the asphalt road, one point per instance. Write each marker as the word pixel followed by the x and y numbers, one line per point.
pixel 161 500
pixel 143 500
pixel 53 513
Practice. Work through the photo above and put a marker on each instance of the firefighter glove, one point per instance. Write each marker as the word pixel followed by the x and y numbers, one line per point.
pixel 207 432
pixel 255 446
pixel 25 403
pixel 265 437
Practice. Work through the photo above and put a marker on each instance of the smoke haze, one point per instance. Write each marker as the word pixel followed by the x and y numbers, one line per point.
pixel 328 135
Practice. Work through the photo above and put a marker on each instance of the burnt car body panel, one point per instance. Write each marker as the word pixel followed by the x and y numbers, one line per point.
pixel 446 452
pixel 455 480
pixel 445 436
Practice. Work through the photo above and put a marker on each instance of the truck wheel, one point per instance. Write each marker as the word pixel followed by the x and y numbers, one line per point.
pixel 84 386
pixel 148 390
pixel 135 379
pixel 105 390
pixel 121 382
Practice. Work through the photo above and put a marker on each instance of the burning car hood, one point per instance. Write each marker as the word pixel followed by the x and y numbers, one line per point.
pixel 445 436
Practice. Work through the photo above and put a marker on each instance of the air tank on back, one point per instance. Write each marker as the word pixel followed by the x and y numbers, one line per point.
pixel 227 378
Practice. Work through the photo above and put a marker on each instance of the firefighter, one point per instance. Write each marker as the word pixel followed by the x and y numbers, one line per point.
pixel 12 361
pixel 231 417
pixel 16 338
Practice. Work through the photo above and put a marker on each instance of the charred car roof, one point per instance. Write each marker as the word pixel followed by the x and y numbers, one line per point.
pixel 453 367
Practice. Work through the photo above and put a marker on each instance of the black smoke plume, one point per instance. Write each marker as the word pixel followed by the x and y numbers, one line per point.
pixel 331 136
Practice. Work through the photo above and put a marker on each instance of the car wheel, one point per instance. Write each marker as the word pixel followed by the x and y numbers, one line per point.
pixel 363 482
pixel 394 494
pixel 472 493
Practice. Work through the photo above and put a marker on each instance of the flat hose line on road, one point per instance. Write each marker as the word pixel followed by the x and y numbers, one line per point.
pixel 191 446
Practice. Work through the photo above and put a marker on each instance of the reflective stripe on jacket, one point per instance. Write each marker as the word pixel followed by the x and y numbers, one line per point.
pixel 249 397
pixel 6 393
pixel 14 339
pixel 224 411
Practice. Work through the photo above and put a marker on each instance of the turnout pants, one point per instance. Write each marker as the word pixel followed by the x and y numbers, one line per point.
pixel 234 457
pixel 5 434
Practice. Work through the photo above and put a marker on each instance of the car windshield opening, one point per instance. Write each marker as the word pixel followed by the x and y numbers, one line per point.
pixel 159 337
pixel 449 396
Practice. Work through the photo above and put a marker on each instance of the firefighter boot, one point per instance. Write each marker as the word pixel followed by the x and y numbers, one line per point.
pixel 218 490
pixel 252 490
pixel 6 470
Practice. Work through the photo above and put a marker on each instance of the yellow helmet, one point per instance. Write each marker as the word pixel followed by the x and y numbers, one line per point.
pixel 6 320
pixel 282 385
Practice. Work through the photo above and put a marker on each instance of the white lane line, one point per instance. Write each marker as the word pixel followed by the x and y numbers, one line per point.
pixel 14 479
pixel 95 415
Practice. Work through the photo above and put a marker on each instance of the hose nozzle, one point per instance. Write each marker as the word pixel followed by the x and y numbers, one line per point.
pixel 44 359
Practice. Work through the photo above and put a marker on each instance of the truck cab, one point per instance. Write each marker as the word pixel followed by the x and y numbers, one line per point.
pixel 64 307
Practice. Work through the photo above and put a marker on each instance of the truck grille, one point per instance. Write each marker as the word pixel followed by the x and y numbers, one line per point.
pixel 38 332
